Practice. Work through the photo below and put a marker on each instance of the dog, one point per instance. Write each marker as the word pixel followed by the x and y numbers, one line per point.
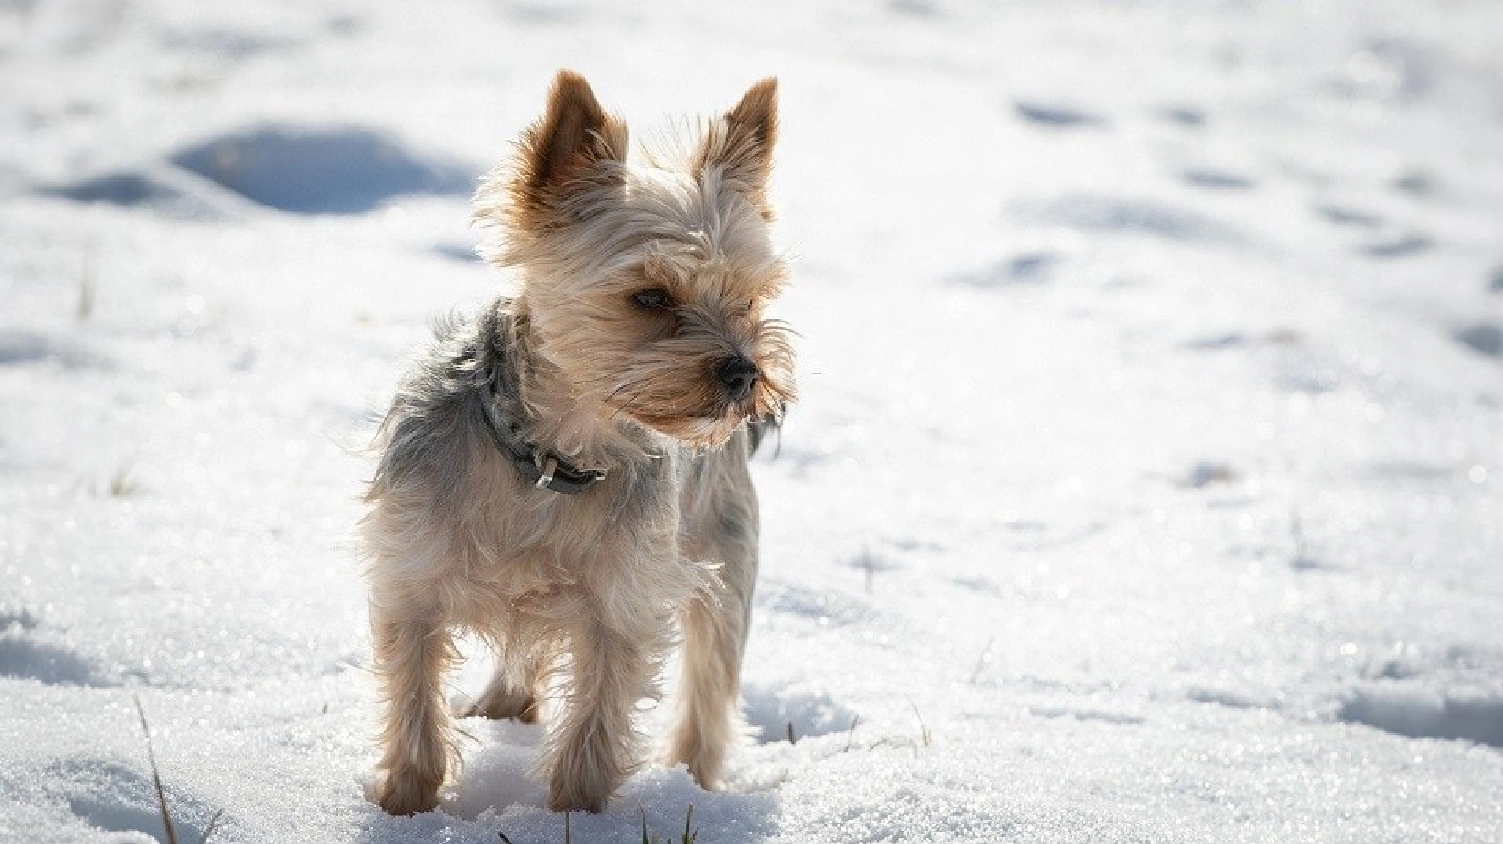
pixel 565 474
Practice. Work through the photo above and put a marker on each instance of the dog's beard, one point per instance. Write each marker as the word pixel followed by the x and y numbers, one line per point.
pixel 695 413
pixel 705 432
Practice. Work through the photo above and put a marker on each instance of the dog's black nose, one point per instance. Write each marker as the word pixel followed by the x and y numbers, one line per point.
pixel 738 376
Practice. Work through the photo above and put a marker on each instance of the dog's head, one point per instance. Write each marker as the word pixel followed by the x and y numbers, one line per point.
pixel 646 284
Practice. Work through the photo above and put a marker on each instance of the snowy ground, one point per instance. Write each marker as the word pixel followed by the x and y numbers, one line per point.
pixel 1147 483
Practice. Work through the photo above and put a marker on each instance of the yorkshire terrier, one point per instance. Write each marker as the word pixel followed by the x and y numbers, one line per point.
pixel 565 475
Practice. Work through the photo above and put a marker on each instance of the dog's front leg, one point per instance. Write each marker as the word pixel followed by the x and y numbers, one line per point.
pixel 411 654
pixel 594 747
pixel 707 722
pixel 720 525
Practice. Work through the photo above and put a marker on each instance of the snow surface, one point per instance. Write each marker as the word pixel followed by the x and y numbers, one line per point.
pixel 1147 483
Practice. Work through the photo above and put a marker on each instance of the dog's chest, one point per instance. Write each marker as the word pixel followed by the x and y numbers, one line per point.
pixel 542 552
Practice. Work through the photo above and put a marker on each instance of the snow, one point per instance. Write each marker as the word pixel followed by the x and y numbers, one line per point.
pixel 1145 484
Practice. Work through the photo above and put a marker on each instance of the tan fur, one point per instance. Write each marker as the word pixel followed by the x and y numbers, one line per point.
pixel 584 593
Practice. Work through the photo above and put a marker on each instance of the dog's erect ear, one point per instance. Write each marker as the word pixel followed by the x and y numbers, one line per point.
pixel 561 152
pixel 741 143
pixel 754 120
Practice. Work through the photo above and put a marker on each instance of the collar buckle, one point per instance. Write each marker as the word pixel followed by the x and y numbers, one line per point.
pixel 545 478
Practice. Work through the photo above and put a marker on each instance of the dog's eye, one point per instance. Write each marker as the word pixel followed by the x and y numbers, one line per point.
pixel 653 299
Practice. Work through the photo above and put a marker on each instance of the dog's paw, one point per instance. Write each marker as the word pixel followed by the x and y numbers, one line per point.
pixel 704 766
pixel 406 795
pixel 582 788
pixel 573 800
pixel 700 746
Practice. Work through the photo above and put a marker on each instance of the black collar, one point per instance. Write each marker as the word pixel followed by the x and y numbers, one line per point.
pixel 544 471
pixel 503 407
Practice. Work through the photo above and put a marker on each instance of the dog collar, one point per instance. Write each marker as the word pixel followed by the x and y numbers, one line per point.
pixel 548 471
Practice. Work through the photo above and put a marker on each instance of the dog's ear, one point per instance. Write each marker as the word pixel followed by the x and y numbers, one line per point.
pixel 741 143
pixel 563 152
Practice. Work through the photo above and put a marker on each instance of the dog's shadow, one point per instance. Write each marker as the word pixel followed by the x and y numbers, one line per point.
pixel 496 799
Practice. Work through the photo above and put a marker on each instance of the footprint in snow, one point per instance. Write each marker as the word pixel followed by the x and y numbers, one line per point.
pixel 1409 471
pixel 1217 342
pixel 1415 183
pixel 321 170
pixel 1057 116
pixel 810 605
pixel 1308 377
pixel 1213 179
pixel 1409 244
pixel 1087 714
pixel 27 653
pixel 1483 338
pixel 913 8
pixel 1345 215
pixel 1127 216
pixel 162 190
pixel 19 347
pixel 874 563
pixel 1188 117
pixel 1305 562
pixel 1418 711
pixel 119 798
pixel 1033 267
pixel 1229 698
pixel 1207 473
pixel 223 43
pixel 797 712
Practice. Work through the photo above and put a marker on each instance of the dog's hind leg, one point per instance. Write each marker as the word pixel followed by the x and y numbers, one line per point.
pixel 719 525
pixel 504 698
pixel 411 655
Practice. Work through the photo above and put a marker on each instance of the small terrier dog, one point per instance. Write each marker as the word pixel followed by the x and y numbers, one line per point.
pixel 565 475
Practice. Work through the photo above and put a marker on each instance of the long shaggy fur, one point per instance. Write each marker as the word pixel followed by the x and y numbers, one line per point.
pixel 583 595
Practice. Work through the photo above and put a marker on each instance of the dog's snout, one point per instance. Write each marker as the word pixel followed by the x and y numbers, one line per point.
pixel 738 376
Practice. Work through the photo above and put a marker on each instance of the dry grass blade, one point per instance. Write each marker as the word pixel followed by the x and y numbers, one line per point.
pixel 156 779
pixel 209 830
pixel 850 734
pixel 926 737
pixel 690 836
pixel 122 484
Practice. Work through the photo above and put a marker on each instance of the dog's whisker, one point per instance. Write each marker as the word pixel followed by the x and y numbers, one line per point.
pixel 627 405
